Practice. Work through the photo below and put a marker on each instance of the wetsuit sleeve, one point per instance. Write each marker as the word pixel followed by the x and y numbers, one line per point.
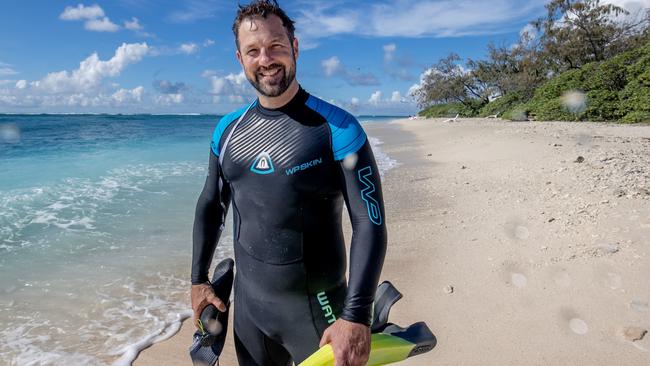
pixel 209 220
pixel 363 197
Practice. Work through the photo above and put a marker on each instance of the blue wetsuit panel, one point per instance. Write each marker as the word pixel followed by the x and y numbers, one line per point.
pixel 347 134
pixel 223 124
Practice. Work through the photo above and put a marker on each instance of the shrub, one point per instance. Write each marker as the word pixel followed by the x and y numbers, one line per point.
pixel 603 105
pixel 501 105
pixel 447 110
pixel 636 117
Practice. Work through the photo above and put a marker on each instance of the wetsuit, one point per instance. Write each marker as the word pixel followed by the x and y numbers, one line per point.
pixel 287 173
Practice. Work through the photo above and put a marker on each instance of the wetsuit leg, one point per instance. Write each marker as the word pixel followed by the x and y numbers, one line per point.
pixel 301 334
pixel 273 325
pixel 253 347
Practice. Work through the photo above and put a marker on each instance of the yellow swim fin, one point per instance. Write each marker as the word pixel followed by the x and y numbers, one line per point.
pixel 393 344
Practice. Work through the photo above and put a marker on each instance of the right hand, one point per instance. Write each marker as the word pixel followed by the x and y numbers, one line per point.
pixel 202 296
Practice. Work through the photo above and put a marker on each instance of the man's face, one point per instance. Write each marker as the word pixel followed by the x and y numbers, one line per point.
pixel 267 55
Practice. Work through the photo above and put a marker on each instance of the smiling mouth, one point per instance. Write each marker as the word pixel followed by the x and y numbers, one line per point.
pixel 270 73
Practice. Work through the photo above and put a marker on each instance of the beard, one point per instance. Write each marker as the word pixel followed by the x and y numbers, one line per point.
pixel 273 86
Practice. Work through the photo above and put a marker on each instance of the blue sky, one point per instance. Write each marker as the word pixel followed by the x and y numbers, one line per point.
pixel 146 56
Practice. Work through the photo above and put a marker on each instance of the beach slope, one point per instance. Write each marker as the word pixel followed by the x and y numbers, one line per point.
pixel 517 242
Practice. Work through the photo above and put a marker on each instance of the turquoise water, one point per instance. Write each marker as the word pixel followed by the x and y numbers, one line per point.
pixel 95 232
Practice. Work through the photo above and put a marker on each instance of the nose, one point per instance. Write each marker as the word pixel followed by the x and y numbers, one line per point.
pixel 265 57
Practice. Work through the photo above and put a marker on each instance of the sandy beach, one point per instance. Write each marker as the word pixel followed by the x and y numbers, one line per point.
pixel 517 242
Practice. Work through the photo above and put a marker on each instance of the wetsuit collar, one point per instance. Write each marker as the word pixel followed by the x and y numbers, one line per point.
pixel 297 101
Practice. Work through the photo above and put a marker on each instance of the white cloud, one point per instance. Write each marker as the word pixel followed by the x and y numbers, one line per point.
pixel 528 29
pixel 83 87
pixel 389 51
pixel 415 87
pixel 331 65
pixel 355 101
pixel 101 25
pixel 316 22
pixel 6 70
pixel 235 88
pixel 375 98
pixel 194 10
pixel 527 35
pixel 92 70
pixel 208 42
pixel 137 28
pixel 124 96
pixel 636 8
pixel 188 48
pixel 133 24
pixel 82 12
pixel 169 99
pixel 427 18
pixel 94 16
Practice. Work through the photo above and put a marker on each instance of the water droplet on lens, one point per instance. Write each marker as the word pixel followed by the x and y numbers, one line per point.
pixel 9 133
pixel 350 161
pixel 578 326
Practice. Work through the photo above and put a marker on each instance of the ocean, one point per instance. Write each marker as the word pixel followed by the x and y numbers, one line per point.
pixel 96 216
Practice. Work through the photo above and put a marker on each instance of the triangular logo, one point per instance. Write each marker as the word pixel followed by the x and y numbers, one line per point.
pixel 263 164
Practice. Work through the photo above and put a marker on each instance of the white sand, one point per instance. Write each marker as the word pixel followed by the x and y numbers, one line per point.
pixel 547 257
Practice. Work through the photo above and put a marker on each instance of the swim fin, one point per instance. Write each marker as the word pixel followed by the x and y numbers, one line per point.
pixel 389 343
pixel 208 341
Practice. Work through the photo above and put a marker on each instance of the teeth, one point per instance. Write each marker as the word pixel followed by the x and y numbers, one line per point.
pixel 270 73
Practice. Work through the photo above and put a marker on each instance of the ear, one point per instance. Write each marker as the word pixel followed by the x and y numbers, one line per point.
pixel 238 55
pixel 295 47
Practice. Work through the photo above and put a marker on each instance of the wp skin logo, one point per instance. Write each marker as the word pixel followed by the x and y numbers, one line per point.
pixel 374 212
pixel 303 166
pixel 263 164
pixel 325 306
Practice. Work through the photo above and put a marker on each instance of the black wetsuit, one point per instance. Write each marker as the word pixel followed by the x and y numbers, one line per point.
pixel 287 173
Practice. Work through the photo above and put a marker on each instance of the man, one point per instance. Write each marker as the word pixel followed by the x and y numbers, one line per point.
pixel 287 162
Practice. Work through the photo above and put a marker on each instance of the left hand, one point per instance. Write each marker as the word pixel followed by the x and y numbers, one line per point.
pixel 350 342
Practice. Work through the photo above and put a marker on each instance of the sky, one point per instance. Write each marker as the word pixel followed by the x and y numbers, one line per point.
pixel 178 56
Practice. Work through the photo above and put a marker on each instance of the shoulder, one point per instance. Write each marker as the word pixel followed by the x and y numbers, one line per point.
pixel 347 134
pixel 222 125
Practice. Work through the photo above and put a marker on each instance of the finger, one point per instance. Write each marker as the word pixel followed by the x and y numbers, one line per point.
pixel 325 339
pixel 196 319
pixel 197 313
pixel 218 304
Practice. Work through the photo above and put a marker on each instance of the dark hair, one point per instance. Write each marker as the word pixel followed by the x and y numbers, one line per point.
pixel 263 8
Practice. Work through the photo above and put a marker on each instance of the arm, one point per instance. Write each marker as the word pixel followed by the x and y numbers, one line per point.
pixel 363 197
pixel 209 220
pixel 350 334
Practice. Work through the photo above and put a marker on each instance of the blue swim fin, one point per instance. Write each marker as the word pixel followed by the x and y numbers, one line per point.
pixel 208 341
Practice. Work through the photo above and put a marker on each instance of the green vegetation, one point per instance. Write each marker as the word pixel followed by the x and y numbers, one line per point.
pixel 579 64
pixel 447 110
pixel 614 90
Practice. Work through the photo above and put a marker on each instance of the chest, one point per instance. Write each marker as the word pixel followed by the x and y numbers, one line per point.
pixel 279 153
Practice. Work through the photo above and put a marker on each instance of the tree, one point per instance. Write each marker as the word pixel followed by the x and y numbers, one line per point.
pixel 510 69
pixel 447 81
pixel 574 33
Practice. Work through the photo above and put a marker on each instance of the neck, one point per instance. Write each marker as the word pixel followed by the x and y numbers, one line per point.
pixel 280 100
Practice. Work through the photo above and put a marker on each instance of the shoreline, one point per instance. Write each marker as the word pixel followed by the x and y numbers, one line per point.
pixel 507 247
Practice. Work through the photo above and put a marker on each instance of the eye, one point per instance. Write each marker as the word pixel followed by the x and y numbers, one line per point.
pixel 252 52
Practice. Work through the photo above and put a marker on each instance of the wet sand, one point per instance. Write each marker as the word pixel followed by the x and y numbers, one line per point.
pixel 517 242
